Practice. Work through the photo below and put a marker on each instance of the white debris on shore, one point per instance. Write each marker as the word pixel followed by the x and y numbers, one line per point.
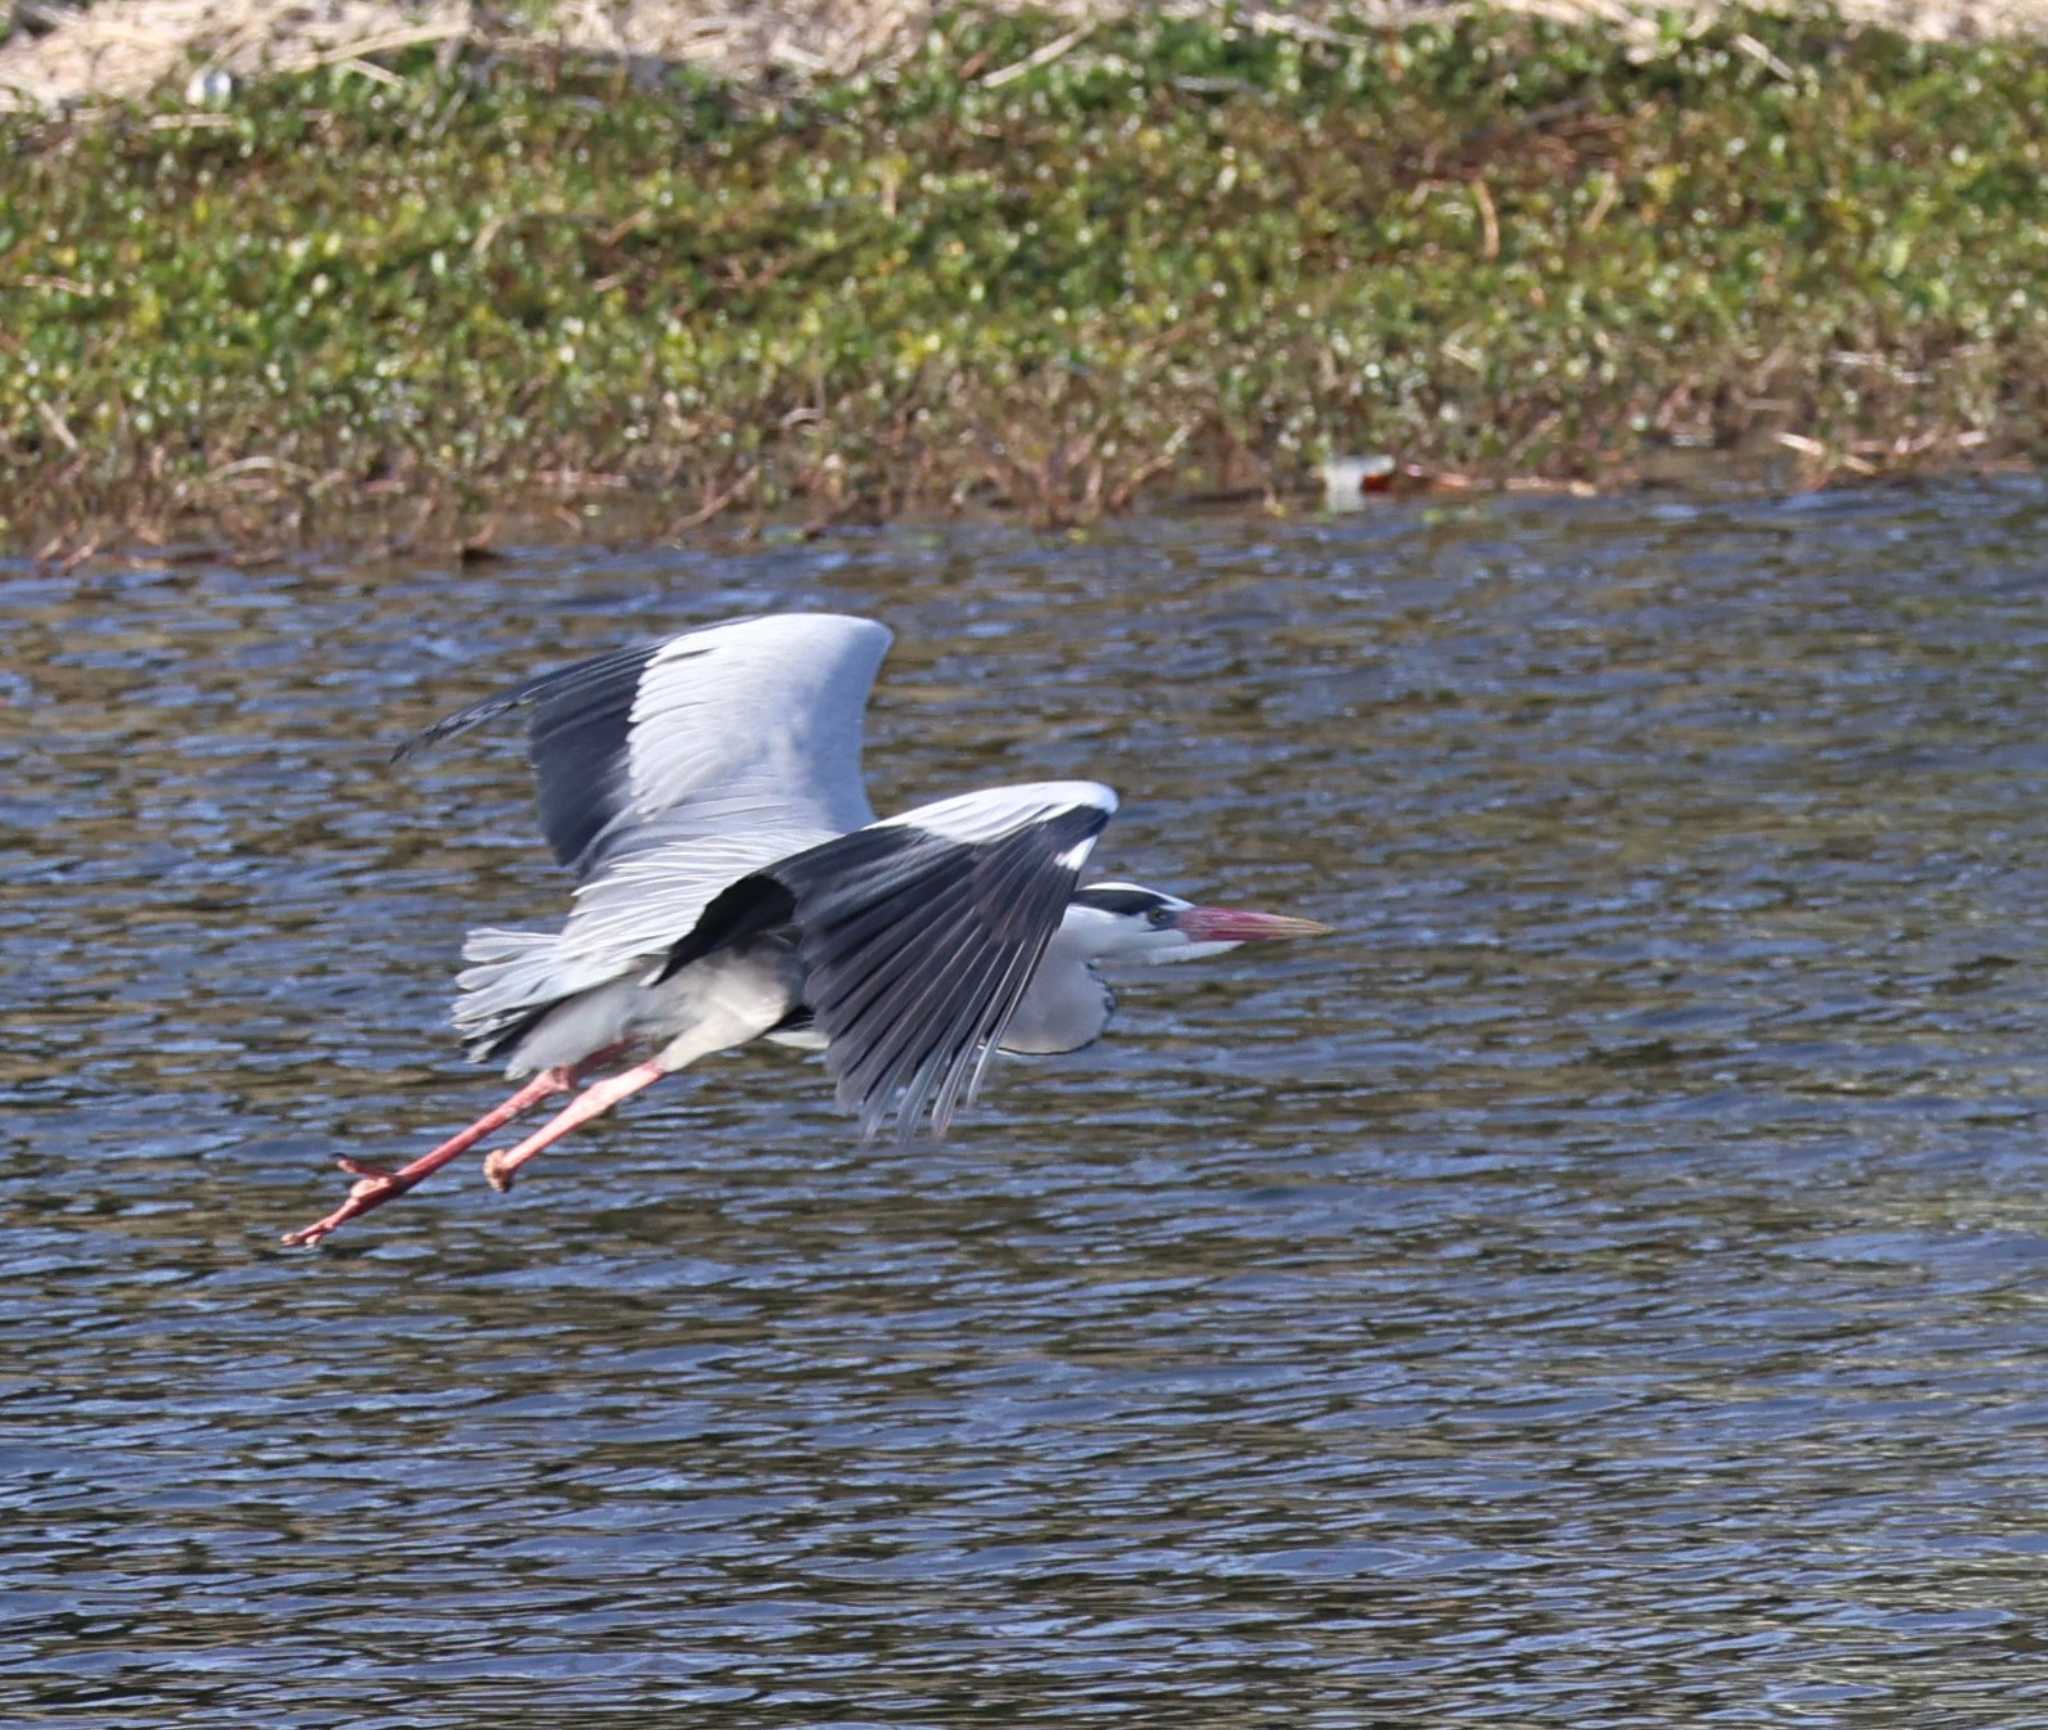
pixel 63 57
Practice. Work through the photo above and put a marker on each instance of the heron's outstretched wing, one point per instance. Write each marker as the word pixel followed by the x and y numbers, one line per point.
pixel 920 934
pixel 755 720
pixel 669 770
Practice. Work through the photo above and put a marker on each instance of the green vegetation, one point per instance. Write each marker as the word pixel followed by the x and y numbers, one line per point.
pixel 1176 256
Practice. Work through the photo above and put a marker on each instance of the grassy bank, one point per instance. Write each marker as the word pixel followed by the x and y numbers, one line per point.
pixel 1173 257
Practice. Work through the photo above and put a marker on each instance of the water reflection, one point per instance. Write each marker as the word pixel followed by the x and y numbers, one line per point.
pixel 1598 1288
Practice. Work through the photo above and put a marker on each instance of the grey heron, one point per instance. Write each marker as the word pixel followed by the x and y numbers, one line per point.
pixel 732 884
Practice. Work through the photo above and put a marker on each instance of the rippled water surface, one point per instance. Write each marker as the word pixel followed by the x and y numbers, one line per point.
pixel 1602 1286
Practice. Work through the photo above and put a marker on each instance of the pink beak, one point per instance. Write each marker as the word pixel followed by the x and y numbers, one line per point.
pixel 1237 925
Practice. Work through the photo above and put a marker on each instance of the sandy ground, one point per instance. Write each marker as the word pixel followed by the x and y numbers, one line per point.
pixel 60 56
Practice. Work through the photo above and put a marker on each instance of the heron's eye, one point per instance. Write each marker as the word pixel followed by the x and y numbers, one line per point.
pixel 1159 918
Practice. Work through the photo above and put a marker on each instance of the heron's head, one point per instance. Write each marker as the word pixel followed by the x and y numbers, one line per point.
pixel 1126 922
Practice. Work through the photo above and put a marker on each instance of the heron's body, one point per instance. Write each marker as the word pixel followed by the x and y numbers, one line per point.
pixel 724 1000
pixel 733 884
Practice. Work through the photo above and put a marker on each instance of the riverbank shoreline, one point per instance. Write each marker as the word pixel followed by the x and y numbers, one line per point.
pixel 1032 266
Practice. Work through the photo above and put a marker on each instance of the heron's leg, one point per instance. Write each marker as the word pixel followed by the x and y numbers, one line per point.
pixel 379 1185
pixel 593 1101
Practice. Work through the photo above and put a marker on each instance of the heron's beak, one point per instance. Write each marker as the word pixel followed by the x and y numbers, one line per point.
pixel 1237 925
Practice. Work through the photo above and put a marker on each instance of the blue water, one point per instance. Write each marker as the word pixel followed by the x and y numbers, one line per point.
pixel 1602 1286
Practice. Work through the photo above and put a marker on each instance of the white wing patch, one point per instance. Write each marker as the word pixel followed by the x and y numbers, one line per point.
pixel 994 811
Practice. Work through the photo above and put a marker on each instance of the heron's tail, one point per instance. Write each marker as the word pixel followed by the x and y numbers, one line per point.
pixel 513 978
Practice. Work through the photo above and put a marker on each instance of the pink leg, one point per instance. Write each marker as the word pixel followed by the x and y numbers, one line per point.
pixel 593 1101
pixel 380 1185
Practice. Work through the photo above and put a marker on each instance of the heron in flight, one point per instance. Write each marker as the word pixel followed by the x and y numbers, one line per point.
pixel 732 884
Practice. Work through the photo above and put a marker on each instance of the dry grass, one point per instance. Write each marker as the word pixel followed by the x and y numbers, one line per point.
pixel 65 57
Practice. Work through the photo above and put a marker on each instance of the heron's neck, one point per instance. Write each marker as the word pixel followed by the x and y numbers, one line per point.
pixel 1065 1006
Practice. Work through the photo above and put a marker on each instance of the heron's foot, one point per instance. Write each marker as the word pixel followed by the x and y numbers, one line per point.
pixel 376 1186
pixel 594 1101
